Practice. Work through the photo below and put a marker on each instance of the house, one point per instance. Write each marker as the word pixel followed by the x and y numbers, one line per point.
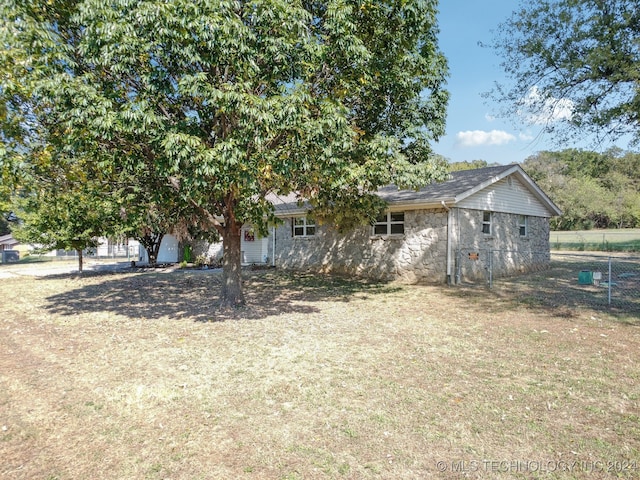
pixel 7 242
pixel 8 249
pixel 117 248
pixel 493 219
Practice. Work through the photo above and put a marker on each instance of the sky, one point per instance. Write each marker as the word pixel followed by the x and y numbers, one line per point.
pixel 474 131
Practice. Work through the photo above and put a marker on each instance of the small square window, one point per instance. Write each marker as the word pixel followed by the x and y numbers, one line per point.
pixel 486 223
pixel 522 225
pixel 303 227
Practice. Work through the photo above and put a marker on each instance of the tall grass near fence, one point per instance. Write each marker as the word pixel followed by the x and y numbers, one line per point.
pixel 624 240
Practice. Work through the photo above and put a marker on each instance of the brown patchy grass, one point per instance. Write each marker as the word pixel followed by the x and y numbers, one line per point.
pixel 138 376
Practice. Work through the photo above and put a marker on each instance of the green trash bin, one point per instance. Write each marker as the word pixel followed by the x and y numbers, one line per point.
pixel 187 254
pixel 585 277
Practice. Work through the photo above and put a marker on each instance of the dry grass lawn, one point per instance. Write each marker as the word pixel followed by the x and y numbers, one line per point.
pixel 138 376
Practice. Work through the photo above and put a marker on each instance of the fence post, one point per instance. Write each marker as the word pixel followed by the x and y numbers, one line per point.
pixel 490 269
pixel 610 282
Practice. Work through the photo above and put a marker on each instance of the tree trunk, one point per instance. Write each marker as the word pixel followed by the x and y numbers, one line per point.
pixel 153 253
pixel 151 243
pixel 79 252
pixel 232 295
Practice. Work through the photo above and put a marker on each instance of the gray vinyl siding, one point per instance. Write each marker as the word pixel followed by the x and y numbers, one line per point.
pixel 506 197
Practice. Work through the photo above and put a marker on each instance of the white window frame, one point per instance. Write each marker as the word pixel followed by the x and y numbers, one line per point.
pixel 487 226
pixel 387 223
pixel 523 225
pixel 303 227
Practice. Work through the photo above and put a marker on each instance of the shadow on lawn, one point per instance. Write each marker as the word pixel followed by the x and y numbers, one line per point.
pixel 194 295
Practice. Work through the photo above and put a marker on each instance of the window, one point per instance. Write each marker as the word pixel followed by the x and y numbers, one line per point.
pixel 303 227
pixel 522 225
pixel 390 223
pixel 486 223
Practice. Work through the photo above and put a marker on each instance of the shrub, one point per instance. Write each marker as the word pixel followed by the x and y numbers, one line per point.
pixel 201 260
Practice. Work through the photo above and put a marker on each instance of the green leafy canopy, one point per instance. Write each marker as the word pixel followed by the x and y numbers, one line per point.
pixel 228 101
pixel 573 66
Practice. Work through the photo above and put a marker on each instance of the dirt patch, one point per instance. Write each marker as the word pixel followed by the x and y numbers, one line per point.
pixel 138 375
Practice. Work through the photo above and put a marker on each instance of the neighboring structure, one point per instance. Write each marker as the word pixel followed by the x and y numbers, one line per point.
pixel 117 248
pixel 7 242
pixel 445 232
pixel 8 249
pixel 107 248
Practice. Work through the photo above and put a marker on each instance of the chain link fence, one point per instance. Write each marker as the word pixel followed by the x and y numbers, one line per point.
pixel 579 279
pixel 626 240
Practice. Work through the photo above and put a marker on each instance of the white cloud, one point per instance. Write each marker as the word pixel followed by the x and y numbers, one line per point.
pixel 476 138
pixel 525 137
pixel 540 109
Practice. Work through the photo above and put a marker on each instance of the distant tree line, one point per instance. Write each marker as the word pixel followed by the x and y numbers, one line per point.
pixel 594 190
pixel 469 165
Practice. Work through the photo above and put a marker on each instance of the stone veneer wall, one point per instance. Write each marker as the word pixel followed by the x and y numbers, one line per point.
pixel 418 255
pixel 212 251
pixel 505 251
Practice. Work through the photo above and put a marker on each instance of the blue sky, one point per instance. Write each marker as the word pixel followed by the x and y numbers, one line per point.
pixel 473 131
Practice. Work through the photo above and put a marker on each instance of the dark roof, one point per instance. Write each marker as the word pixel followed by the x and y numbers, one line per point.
pixel 459 185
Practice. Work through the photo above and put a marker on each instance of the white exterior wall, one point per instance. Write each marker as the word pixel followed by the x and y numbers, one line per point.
pixel 254 248
pixel 507 196
pixel 108 248
pixel 256 251
pixel 168 252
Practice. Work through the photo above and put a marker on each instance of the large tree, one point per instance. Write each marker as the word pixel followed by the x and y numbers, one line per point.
pixel 231 100
pixel 574 66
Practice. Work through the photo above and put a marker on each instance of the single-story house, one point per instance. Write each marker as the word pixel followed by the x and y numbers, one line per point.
pixel 489 219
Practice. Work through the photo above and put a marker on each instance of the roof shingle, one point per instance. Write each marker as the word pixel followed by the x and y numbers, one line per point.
pixel 458 183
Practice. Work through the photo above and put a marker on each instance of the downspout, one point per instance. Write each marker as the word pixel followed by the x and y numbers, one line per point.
pixel 449 229
pixel 458 243
pixel 273 246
